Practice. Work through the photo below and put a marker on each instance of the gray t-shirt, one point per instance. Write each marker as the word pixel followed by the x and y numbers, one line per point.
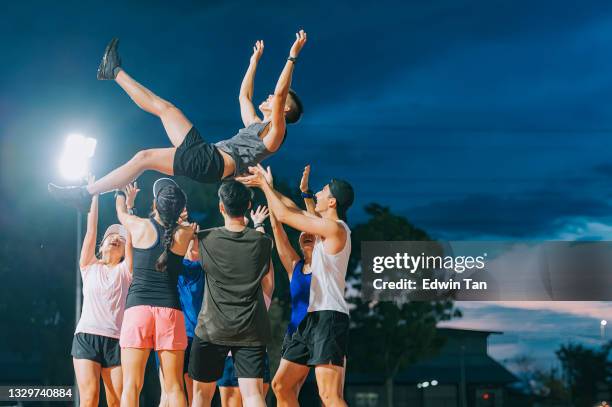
pixel 246 147
pixel 234 311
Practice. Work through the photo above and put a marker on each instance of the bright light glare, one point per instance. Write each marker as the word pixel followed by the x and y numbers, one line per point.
pixel 434 382
pixel 604 322
pixel 425 384
pixel 74 161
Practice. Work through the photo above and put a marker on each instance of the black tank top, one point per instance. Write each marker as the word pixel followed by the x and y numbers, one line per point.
pixel 152 287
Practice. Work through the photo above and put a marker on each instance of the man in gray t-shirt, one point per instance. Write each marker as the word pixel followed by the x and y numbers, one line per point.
pixel 236 260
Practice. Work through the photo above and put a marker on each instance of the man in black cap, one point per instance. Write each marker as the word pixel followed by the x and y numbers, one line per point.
pixel 321 338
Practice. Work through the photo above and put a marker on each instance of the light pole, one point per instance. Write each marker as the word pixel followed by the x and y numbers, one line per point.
pixel 74 165
pixel 602 328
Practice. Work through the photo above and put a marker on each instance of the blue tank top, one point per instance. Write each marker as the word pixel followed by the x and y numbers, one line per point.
pixel 191 293
pixel 300 296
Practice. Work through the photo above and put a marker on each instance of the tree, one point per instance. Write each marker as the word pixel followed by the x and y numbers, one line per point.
pixel 400 332
pixel 586 371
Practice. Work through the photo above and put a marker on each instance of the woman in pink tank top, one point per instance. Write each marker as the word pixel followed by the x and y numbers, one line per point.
pixel 106 278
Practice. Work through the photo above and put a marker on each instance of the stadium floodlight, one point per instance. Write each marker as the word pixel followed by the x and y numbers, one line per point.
pixel 74 161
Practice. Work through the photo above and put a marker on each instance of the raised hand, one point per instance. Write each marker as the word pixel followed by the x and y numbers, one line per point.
pixel 258 49
pixel 304 180
pixel 258 177
pixel 300 40
pixel 259 215
pixel 131 190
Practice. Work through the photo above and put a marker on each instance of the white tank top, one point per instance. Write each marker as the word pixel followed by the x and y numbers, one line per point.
pixel 329 276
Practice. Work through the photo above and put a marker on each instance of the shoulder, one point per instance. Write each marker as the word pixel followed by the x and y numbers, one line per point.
pixel 210 232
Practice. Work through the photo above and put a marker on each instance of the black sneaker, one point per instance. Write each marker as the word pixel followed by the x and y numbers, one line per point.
pixel 111 62
pixel 77 197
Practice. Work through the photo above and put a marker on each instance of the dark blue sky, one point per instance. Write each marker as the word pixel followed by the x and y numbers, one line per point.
pixel 475 119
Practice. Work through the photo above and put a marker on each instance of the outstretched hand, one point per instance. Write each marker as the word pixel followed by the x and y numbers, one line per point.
pixel 300 40
pixel 131 190
pixel 258 49
pixel 259 176
pixel 260 214
pixel 304 180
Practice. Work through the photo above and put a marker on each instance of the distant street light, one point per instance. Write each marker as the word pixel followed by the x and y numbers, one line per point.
pixel 74 161
pixel 602 328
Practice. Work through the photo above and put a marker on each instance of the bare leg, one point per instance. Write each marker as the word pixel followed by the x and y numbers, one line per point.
pixel 158 159
pixel 87 373
pixel 113 385
pixel 329 382
pixel 163 399
pixel 133 363
pixel 287 383
pixel 252 392
pixel 230 396
pixel 174 121
pixel 203 393
pixel 171 362
pixel 189 387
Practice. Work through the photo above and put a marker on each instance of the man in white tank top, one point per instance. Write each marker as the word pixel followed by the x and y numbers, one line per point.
pixel 321 338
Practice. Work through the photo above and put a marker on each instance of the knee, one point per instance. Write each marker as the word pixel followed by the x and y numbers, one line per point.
pixel 165 108
pixel 142 156
pixel 132 385
pixel 279 387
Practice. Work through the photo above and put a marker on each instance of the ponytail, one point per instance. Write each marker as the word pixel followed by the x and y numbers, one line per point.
pixel 168 239
pixel 170 202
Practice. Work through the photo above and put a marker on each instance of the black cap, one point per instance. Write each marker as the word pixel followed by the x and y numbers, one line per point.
pixel 344 194
pixel 162 182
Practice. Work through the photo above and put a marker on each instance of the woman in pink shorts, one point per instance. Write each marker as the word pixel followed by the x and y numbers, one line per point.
pixel 153 318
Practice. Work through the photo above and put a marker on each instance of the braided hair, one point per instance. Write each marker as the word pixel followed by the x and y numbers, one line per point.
pixel 170 201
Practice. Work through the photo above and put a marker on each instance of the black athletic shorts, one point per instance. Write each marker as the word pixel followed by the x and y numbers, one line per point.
pixel 197 159
pixel 207 360
pixel 320 339
pixel 98 348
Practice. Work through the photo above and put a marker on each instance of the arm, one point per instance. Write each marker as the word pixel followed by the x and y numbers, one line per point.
pixel 286 252
pixel 267 282
pixel 326 228
pixel 129 256
pixel 247 110
pixel 275 136
pixel 309 202
pixel 125 199
pixel 88 250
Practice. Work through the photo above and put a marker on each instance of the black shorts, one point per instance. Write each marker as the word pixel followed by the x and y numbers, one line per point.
pixel 229 378
pixel 197 159
pixel 320 339
pixel 185 359
pixel 97 348
pixel 207 361
pixel 286 342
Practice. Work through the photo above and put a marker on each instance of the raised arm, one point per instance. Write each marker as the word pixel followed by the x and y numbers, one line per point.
pixel 326 228
pixel 307 193
pixel 88 250
pixel 275 135
pixel 286 252
pixel 247 110
pixel 124 201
